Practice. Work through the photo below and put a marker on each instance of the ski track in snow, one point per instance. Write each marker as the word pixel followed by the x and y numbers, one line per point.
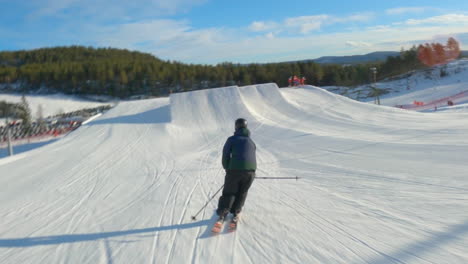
pixel 122 188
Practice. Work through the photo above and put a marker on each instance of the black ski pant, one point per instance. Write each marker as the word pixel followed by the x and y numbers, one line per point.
pixel 236 186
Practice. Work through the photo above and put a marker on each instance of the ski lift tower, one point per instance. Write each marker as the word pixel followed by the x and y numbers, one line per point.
pixel 7 113
pixel 10 146
pixel 377 99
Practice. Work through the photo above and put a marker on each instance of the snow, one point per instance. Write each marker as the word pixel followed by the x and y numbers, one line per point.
pixel 378 184
pixel 428 85
pixel 52 104
pixel 423 86
pixel 20 147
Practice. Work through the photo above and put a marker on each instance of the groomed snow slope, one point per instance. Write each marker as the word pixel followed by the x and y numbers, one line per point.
pixel 379 184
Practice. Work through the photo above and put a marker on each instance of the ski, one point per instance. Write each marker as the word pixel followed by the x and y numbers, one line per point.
pixel 218 225
pixel 233 224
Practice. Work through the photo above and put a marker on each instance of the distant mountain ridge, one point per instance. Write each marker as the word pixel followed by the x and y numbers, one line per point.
pixel 353 59
pixel 377 56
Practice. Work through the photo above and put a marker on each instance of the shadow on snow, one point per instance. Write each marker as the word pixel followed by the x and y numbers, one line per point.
pixel 17 149
pixel 155 116
pixel 75 238
pixel 417 249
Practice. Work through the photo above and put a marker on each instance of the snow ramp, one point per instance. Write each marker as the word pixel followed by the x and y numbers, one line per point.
pixel 210 109
pixel 315 111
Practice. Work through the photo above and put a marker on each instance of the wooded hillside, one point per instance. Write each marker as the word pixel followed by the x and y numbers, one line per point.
pixel 122 73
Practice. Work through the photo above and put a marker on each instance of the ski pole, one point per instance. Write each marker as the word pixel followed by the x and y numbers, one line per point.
pixel 195 216
pixel 277 178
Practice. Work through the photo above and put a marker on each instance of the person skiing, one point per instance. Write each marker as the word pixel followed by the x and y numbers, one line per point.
pixel 240 163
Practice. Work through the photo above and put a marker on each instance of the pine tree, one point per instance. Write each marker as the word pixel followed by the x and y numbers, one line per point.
pixel 40 117
pixel 25 115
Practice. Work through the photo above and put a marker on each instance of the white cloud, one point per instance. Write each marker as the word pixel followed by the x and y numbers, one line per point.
pixel 306 23
pixel 259 26
pixel 357 44
pixel 164 37
pixel 270 35
pixel 380 28
pixel 455 19
pixel 405 10
pixel 362 17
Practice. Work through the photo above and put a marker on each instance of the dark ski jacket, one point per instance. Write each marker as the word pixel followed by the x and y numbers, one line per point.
pixel 239 152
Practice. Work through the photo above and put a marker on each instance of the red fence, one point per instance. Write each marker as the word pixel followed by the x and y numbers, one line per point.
pixel 56 132
pixel 449 100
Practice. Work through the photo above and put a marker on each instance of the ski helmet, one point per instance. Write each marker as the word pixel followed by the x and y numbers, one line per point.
pixel 241 123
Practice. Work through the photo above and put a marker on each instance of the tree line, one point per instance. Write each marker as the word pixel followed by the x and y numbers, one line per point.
pixel 123 73
pixel 17 111
pixel 436 53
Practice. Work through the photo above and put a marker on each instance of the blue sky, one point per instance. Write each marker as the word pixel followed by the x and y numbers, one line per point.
pixel 210 32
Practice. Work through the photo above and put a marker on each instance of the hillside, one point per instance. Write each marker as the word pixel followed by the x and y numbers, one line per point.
pixel 378 184
pixel 52 104
pixel 378 56
pixel 122 73
pixel 425 85
pixel 355 59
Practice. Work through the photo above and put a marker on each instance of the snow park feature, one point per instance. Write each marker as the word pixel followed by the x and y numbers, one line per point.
pixel 378 184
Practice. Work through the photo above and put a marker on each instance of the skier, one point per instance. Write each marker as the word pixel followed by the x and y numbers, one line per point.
pixel 240 164
pixel 303 80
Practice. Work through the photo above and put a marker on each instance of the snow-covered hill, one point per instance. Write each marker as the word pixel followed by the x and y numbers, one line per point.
pixel 378 184
pixel 429 85
pixel 52 104
pixel 423 86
